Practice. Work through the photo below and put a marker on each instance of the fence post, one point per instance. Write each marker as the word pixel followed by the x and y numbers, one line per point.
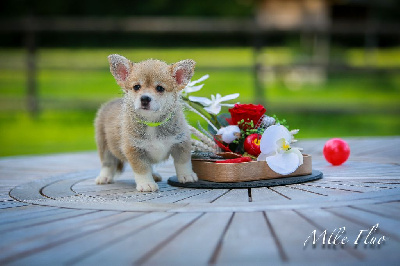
pixel 30 42
pixel 259 93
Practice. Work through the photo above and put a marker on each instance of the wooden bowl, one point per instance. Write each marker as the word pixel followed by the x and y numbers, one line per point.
pixel 240 172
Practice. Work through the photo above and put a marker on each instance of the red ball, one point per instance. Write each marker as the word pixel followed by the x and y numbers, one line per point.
pixel 336 151
pixel 252 144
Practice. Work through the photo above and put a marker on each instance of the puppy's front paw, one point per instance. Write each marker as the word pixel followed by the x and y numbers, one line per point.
pixel 147 187
pixel 187 177
pixel 100 180
pixel 106 176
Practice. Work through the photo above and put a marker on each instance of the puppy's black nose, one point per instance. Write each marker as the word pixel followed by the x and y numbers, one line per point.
pixel 145 100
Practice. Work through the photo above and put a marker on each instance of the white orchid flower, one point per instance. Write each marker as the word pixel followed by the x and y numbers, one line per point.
pixel 276 151
pixel 213 105
pixel 191 88
pixel 229 134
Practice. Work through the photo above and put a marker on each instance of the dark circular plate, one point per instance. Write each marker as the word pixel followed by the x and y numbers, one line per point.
pixel 173 181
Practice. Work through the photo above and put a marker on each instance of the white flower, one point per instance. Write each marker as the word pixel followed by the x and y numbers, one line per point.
pixel 213 106
pixel 276 151
pixel 229 134
pixel 191 88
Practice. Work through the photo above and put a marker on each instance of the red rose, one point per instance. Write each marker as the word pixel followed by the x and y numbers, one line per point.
pixel 246 112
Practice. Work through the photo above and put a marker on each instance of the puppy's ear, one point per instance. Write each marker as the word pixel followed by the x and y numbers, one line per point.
pixel 120 67
pixel 183 72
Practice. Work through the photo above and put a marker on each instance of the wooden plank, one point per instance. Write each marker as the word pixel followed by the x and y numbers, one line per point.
pixel 310 188
pixel 191 246
pixel 372 254
pixel 387 226
pixel 266 194
pixel 294 194
pixel 177 195
pixel 43 219
pixel 135 246
pixel 58 189
pixel 8 213
pixel 395 205
pixel 11 204
pixel 82 246
pixel 291 231
pixel 41 250
pixel 27 241
pixel 26 214
pixel 37 231
pixel 381 210
pixel 133 195
pixel 325 189
pixel 206 196
pixel 233 195
pixel 248 241
pixel 359 186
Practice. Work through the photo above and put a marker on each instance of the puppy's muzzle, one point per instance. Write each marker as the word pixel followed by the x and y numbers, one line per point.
pixel 145 101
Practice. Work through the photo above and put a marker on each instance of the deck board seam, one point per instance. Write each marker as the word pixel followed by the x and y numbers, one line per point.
pixel 142 260
pixel 358 221
pixel 220 196
pixel 116 240
pixel 277 192
pixel 29 252
pixel 214 256
pixel 352 252
pixel 278 244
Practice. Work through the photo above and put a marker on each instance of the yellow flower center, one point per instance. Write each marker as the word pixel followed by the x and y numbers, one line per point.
pixel 257 142
pixel 285 146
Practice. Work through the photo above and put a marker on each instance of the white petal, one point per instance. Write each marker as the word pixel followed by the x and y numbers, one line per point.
pixel 229 97
pixel 262 157
pixel 271 135
pixel 203 100
pixel 298 153
pixel 199 80
pixel 284 163
pixel 213 109
pixel 227 104
pixel 203 78
pixel 190 89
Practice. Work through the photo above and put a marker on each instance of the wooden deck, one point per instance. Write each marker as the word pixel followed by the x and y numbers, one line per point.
pixel 52 213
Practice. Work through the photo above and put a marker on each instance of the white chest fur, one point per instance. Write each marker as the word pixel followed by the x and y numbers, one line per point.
pixel 157 148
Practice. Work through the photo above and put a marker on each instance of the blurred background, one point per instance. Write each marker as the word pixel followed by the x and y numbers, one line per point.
pixel 331 68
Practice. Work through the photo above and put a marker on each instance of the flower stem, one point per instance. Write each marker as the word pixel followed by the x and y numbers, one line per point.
pixel 200 111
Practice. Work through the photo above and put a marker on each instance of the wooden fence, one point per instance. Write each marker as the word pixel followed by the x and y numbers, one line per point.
pixel 30 26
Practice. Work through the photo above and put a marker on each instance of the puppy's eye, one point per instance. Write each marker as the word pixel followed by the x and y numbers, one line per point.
pixel 136 87
pixel 160 88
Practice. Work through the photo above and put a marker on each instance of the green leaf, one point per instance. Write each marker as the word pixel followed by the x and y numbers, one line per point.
pixel 205 132
pixel 222 119
pixel 211 130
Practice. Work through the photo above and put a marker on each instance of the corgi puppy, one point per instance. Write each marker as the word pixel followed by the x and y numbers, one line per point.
pixel 147 124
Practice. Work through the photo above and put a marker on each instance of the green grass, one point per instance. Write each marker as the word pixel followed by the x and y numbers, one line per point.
pixel 49 133
pixel 73 83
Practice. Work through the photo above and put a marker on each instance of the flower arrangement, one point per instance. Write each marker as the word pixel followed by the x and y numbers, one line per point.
pixel 246 131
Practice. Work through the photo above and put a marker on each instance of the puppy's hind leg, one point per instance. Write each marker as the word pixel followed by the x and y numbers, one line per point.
pixel 183 164
pixel 110 166
pixel 156 176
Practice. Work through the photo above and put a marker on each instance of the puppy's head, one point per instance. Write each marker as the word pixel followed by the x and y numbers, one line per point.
pixel 151 87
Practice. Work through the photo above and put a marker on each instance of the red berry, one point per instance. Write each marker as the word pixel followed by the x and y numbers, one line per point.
pixel 336 151
pixel 252 144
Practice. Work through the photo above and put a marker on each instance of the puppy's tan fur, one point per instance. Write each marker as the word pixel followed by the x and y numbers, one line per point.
pixel 121 134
